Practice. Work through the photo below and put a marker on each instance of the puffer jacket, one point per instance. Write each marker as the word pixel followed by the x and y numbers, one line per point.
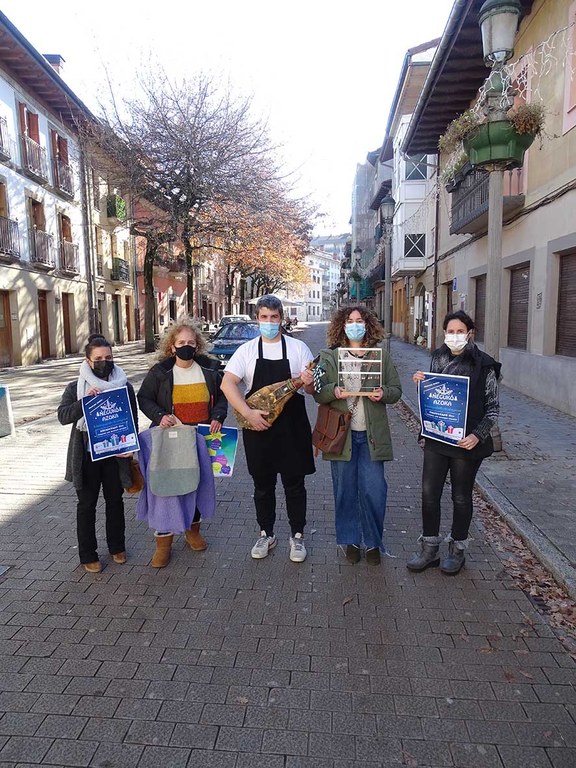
pixel 377 427
pixel 155 393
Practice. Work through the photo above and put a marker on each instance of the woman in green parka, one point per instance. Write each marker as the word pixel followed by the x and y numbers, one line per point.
pixel 358 479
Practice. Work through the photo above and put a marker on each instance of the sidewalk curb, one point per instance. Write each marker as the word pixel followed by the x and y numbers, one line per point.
pixel 541 547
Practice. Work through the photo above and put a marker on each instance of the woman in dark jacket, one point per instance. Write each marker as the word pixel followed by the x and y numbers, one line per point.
pixel 183 387
pixel 97 373
pixel 458 356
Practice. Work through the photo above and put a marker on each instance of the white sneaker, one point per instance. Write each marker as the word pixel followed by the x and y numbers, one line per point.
pixel 263 546
pixel 297 548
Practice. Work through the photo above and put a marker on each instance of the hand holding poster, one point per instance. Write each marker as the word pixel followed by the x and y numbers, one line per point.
pixel 443 402
pixel 221 448
pixel 110 424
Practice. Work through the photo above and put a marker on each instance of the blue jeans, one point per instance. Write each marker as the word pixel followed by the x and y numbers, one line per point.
pixel 360 491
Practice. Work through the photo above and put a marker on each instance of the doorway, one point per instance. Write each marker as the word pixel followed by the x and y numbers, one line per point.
pixel 116 319
pixel 44 331
pixel 128 323
pixel 67 308
pixel 5 331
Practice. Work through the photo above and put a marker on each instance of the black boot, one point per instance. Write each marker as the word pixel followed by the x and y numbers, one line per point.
pixel 455 559
pixel 428 555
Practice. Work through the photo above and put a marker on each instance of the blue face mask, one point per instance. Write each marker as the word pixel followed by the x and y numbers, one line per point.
pixel 269 330
pixel 355 331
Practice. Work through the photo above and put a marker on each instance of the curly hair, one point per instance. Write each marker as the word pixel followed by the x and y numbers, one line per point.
pixel 167 341
pixel 336 335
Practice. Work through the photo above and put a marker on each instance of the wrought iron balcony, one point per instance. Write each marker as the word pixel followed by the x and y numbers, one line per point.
pixel 34 160
pixel 176 266
pixel 42 249
pixel 5 143
pixel 63 178
pixel 9 240
pixel 120 270
pixel 470 200
pixel 69 261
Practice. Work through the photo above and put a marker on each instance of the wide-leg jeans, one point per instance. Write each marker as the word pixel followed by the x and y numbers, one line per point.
pixel 360 491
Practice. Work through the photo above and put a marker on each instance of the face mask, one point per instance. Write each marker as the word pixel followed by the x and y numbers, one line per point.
pixel 269 330
pixel 187 352
pixel 102 368
pixel 355 331
pixel 456 341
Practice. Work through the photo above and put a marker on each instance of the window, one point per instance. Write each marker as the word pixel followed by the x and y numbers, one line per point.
pixel 518 315
pixel 29 123
pixel 414 246
pixel 480 308
pixel 95 188
pixel 566 323
pixel 416 168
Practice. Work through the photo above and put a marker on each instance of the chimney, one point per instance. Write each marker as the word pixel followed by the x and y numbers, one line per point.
pixel 56 62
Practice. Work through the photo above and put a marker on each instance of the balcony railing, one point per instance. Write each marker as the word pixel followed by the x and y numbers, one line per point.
pixel 120 270
pixel 176 266
pixel 42 250
pixel 470 200
pixel 5 148
pixel 69 261
pixel 63 179
pixel 9 238
pixel 34 159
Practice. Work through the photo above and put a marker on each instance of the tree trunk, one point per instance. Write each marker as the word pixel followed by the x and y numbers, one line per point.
pixel 149 302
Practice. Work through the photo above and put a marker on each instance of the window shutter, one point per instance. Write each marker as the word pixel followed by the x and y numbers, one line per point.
pixel 22 113
pixel 480 308
pixel 566 323
pixel 518 315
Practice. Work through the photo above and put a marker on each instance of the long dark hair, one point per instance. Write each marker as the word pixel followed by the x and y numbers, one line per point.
pixel 95 340
pixel 336 335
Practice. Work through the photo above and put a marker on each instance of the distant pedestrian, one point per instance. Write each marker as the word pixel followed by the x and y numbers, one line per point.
pixel 184 386
pixel 457 356
pixel 358 480
pixel 285 446
pixel 98 373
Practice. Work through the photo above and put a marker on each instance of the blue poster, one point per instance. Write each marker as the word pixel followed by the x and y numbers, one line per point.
pixel 110 425
pixel 443 402
pixel 222 447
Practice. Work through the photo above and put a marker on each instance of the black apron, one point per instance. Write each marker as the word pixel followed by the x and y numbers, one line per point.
pixel 286 447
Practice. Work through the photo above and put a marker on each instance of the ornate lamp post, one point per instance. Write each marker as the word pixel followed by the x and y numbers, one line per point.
pixel 355 274
pixel 387 207
pixel 498 23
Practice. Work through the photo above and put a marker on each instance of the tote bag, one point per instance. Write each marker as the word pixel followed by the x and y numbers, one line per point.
pixel 174 469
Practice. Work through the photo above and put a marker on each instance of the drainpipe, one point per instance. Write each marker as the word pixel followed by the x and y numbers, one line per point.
pixel 87 225
pixel 432 340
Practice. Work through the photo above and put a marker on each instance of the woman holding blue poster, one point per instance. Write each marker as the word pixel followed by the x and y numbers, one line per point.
pixel 459 357
pixel 182 388
pixel 98 373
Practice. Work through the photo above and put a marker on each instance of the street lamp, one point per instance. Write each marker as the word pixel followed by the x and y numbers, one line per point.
pixel 355 274
pixel 498 22
pixel 387 207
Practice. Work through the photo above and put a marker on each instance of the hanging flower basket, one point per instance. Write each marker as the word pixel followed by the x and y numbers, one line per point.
pixel 497 142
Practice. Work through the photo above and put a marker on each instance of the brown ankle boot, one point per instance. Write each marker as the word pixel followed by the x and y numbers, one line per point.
pixel 161 556
pixel 194 538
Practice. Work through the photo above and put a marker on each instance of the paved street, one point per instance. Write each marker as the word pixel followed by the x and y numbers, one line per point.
pixel 219 660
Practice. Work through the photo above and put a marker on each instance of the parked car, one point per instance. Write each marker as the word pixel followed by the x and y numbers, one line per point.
pixel 225 319
pixel 230 336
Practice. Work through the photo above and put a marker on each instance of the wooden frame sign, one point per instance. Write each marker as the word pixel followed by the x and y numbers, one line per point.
pixel 359 370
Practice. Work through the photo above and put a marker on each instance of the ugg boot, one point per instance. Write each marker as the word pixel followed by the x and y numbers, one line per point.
pixel 428 555
pixel 194 538
pixel 455 559
pixel 161 556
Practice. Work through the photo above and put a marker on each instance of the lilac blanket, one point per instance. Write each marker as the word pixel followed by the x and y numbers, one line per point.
pixel 175 513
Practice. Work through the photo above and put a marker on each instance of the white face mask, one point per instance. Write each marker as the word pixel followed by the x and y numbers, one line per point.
pixel 456 341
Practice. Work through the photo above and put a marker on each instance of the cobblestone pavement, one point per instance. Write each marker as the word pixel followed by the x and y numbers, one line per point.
pixel 220 660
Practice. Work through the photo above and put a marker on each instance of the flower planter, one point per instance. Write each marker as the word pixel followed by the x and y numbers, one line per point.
pixel 497 142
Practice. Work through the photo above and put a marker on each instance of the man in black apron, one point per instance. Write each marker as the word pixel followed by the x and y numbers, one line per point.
pixel 284 447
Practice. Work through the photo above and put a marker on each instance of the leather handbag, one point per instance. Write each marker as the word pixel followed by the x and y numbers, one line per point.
pixel 330 430
pixel 137 478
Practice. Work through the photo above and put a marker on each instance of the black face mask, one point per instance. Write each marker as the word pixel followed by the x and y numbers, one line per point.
pixel 185 353
pixel 102 368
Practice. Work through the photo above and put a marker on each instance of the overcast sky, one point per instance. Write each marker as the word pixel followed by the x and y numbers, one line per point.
pixel 323 73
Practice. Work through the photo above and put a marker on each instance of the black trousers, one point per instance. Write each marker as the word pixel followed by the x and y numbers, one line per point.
pixel 95 475
pixel 462 476
pixel 265 501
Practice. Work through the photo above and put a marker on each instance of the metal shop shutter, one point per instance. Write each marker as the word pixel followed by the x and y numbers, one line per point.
pixel 480 308
pixel 566 323
pixel 518 315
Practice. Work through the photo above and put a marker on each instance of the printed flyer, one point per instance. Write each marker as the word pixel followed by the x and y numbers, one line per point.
pixel 222 447
pixel 110 425
pixel 443 402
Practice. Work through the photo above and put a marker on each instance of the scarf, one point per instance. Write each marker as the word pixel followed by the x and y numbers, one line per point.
pixel 88 379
